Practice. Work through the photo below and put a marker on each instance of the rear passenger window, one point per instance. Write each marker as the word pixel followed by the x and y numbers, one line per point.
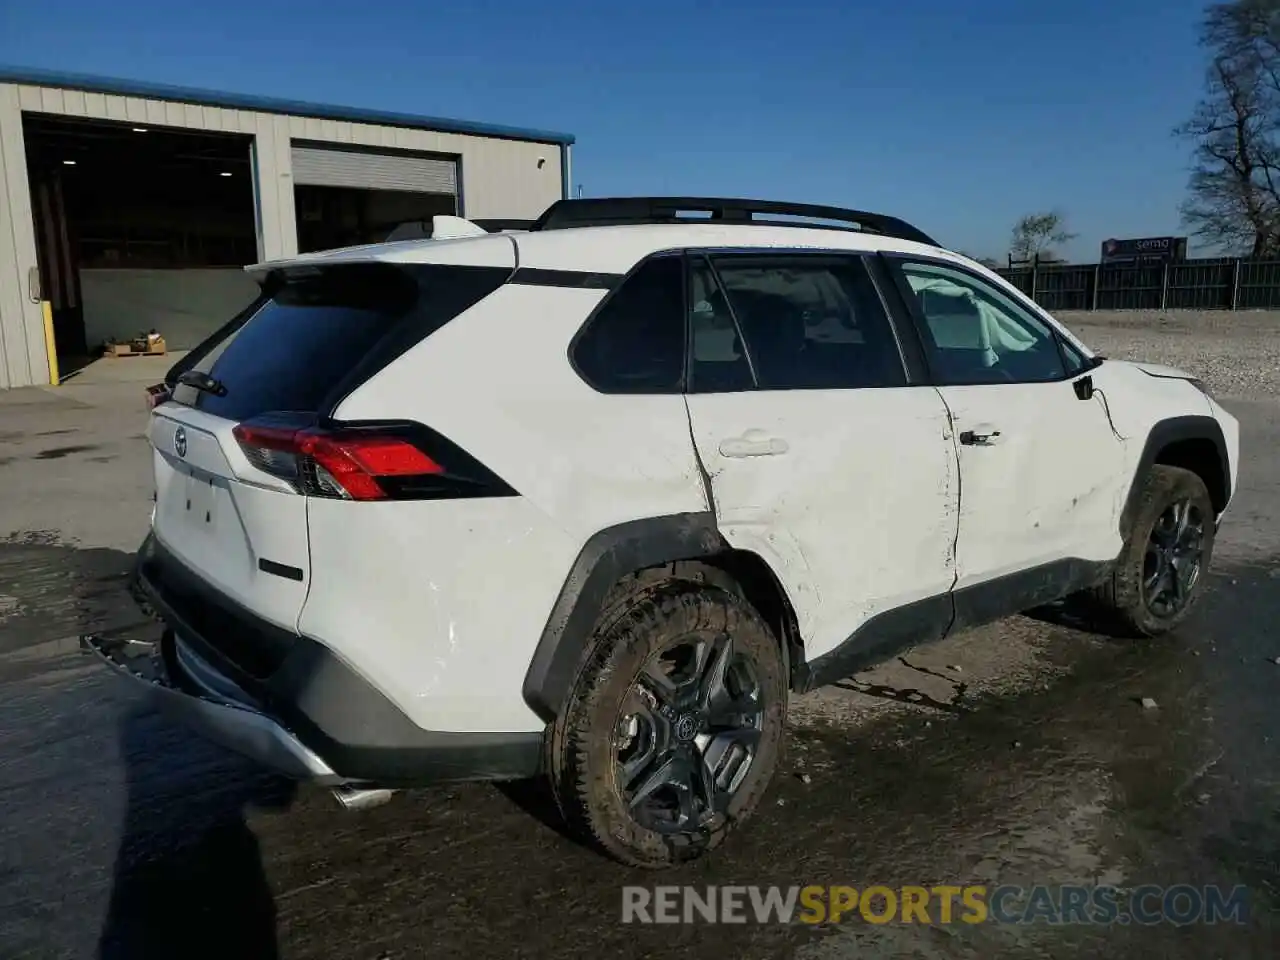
pixel 811 322
pixel 635 343
pixel 720 362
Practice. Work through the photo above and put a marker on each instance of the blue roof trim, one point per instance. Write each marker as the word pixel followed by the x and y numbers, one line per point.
pixel 243 101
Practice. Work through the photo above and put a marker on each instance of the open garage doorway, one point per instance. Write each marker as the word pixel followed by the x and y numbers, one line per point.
pixel 330 217
pixel 346 195
pixel 138 228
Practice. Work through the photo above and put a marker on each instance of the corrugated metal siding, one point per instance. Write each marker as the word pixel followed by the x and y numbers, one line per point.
pixel 22 354
pixel 366 170
pixel 499 178
pixel 496 178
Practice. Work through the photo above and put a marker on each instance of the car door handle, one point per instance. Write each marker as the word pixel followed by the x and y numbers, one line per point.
pixel 983 436
pixel 753 443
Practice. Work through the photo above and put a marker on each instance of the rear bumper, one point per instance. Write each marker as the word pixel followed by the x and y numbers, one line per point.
pixel 236 725
pixel 310 716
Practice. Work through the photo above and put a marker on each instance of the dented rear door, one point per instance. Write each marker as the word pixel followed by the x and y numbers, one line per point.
pixel 851 493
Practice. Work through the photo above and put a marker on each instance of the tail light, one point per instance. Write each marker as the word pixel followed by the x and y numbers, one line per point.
pixel 366 464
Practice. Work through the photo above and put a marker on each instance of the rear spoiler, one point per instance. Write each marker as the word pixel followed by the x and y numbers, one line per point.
pixel 451 228
pixel 440 228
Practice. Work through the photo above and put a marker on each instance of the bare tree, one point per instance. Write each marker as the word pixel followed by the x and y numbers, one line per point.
pixel 1036 234
pixel 1233 199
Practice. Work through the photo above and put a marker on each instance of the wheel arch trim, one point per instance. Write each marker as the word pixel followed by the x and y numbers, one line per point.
pixel 604 559
pixel 1163 434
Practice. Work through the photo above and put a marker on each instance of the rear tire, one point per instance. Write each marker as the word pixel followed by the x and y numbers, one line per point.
pixel 1159 575
pixel 673 728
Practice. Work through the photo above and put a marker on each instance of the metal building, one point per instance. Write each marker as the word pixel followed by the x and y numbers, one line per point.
pixel 128 206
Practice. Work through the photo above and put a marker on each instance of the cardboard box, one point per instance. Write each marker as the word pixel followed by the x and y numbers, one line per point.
pixel 142 347
pixel 150 346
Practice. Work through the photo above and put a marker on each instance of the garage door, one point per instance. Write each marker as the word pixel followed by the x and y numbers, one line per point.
pixel 329 167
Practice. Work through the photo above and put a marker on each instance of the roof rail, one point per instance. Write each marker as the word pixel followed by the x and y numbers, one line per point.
pixel 616 211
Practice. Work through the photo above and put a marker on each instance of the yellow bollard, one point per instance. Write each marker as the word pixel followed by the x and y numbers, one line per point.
pixel 50 345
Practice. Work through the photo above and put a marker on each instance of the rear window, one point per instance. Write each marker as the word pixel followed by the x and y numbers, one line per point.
pixel 323 331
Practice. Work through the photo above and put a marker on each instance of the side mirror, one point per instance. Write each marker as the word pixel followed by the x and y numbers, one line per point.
pixel 1083 388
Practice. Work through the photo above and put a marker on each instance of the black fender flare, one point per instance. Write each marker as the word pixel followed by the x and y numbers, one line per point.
pixel 605 558
pixel 1164 433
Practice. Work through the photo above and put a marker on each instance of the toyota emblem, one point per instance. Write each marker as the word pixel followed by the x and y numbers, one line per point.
pixel 180 441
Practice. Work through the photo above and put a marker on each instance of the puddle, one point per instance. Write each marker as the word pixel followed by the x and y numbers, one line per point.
pixel 57 453
pixel 53 591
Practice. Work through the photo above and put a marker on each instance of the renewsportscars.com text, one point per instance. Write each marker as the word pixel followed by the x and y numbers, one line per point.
pixel 1182 904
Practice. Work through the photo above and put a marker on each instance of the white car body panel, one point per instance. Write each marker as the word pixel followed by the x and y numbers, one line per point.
pixel 587 459
pixel 1137 400
pixel 582 462
pixel 855 511
pixel 220 516
pixel 1160 370
pixel 1048 487
pixel 452 598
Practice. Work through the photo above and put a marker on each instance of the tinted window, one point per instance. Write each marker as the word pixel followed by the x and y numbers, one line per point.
pixel 1075 360
pixel 720 363
pixel 811 322
pixel 635 342
pixel 319 329
pixel 974 333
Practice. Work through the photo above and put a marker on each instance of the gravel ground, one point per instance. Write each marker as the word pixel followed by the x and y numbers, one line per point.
pixel 1237 354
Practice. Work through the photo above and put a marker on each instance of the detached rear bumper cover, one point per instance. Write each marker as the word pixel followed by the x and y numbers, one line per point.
pixel 236 726
pixel 312 717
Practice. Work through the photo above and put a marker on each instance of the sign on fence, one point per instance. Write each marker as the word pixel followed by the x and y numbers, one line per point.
pixel 1144 248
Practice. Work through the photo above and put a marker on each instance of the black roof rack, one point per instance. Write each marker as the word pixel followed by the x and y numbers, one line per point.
pixel 617 211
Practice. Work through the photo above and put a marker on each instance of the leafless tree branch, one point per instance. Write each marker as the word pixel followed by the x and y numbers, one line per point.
pixel 1233 192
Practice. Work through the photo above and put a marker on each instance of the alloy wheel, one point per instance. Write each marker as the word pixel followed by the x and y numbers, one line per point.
pixel 687 734
pixel 1173 559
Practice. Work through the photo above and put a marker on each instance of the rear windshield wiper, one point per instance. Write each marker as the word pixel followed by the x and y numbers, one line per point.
pixel 202 381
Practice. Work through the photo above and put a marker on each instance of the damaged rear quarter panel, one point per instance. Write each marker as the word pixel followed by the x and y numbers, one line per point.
pixel 586 459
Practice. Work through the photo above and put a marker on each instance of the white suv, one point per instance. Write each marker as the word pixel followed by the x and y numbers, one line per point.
pixel 589 500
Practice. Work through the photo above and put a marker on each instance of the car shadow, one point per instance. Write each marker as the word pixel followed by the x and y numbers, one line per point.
pixel 1075 613
pixel 535 798
pixel 189 879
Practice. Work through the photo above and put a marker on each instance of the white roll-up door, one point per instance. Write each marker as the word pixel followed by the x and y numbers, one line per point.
pixel 365 170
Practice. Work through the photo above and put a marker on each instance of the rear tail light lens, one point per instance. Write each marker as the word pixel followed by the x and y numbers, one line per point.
pixel 352 466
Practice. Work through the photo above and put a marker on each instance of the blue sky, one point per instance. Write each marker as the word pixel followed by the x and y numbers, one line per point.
pixel 958 116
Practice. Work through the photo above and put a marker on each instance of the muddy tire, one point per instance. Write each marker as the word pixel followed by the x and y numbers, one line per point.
pixel 674 725
pixel 1159 575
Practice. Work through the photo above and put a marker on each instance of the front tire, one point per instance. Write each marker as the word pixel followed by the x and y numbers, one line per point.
pixel 672 731
pixel 1159 575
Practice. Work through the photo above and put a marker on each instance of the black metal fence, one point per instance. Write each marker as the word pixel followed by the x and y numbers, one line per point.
pixel 1211 284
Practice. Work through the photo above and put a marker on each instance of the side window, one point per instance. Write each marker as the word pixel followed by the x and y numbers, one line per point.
pixel 719 360
pixel 635 343
pixel 973 333
pixel 811 322
pixel 1075 360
